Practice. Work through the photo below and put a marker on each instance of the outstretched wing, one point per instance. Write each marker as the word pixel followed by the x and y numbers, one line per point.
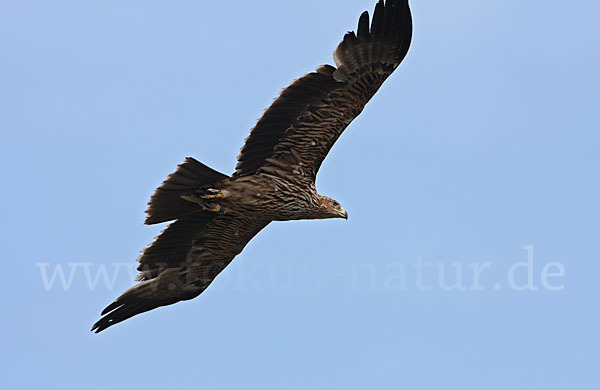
pixel 182 262
pixel 295 134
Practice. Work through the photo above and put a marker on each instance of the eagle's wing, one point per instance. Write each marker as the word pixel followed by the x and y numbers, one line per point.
pixel 181 262
pixel 295 134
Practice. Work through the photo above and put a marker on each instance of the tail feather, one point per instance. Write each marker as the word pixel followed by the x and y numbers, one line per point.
pixel 166 204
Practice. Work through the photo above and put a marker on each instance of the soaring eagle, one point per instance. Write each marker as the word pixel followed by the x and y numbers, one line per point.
pixel 215 215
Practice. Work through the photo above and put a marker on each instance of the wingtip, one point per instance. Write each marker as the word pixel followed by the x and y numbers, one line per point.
pixel 362 32
pixel 97 327
pixel 104 322
pixel 108 318
pixel 100 325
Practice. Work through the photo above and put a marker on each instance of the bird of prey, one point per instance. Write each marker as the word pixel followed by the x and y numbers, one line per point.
pixel 214 215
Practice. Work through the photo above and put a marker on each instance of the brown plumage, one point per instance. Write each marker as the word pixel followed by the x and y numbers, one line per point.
pixel 216 215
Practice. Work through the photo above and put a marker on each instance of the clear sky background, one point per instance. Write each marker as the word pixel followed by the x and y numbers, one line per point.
pixel 483 142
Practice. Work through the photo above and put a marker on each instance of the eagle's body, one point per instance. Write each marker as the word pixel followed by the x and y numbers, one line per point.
pixel 216 215
pixel 272 198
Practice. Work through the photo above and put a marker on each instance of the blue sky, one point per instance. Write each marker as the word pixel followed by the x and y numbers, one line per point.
pixel 479 153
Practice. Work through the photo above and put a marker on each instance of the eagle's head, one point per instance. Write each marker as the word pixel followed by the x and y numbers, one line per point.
pixel 330 208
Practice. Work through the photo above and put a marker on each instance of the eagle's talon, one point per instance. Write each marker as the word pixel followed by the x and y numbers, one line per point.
pixel 213 207
pixel 201 201
pixel 213 194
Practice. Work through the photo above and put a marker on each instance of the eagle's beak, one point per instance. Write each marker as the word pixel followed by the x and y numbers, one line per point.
pixel 343 213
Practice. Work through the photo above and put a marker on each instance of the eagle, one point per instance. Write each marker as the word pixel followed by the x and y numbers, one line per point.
pixel 213 216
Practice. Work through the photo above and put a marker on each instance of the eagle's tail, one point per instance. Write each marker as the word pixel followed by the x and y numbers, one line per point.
pixel 167 204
